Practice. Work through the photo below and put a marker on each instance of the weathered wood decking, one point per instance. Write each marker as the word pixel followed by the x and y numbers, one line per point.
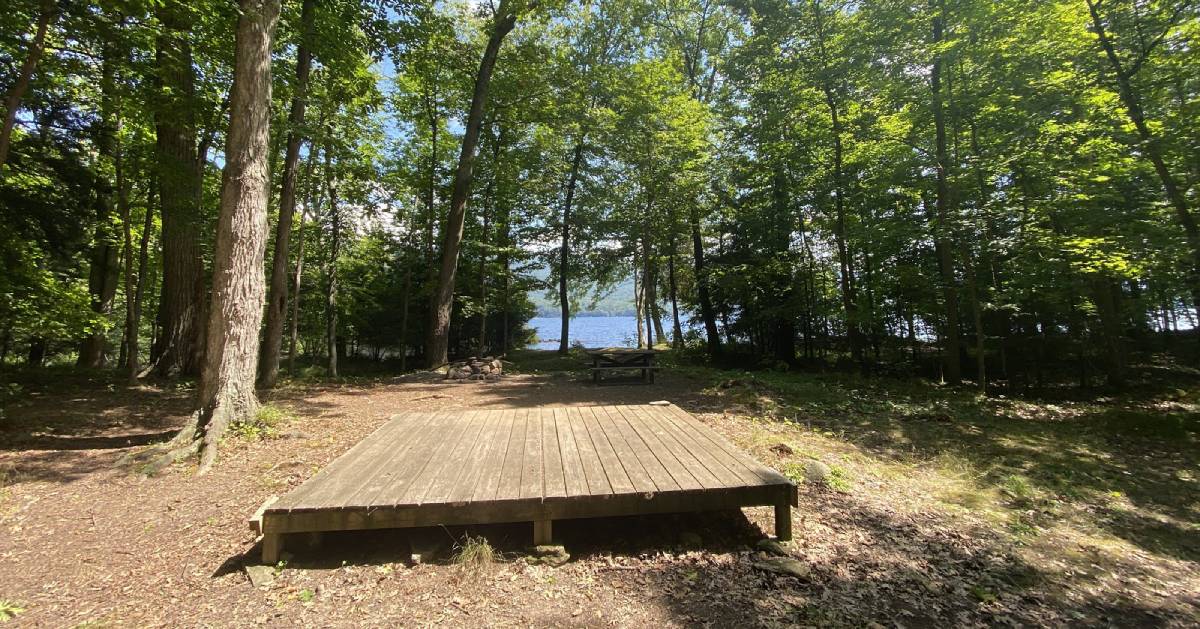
pixel 538 465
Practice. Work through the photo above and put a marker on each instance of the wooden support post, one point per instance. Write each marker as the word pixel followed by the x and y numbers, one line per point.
pixel 783 521
pixel 272 545
pixel 542 533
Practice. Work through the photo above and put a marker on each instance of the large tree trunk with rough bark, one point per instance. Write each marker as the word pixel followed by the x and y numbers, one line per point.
pixel 278 296
pixel 437 341
pixel 177 349
pixel 564 253
pixel 12 100
pixel 227 381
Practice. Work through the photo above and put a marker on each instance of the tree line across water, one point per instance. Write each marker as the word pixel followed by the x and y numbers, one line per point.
pixel 970 189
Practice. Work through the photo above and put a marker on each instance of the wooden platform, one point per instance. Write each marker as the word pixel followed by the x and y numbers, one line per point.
pixel 536 465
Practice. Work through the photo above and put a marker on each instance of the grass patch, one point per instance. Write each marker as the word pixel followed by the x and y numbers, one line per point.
pixel 475 552
pixel 534 361
pixel 265 424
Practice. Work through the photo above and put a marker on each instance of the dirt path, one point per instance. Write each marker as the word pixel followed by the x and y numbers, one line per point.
pixel 81 542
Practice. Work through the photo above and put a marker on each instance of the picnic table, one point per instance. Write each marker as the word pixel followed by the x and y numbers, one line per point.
pixel 609 359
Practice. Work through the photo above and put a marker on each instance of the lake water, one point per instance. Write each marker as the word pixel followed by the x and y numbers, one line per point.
pixel 590 331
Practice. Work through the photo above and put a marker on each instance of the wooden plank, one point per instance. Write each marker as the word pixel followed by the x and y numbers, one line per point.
pixel 396 464
pixel 444 480
pixel 439 476
pixel 676 448
pixel 659 450
pixel 552 459
pixel 730 452
pixel 429 451
pixel 616 474
pixel 640 452
pixel 380 465
pixel 572 465
pixel 495 459
pixel 595 478
pixel 533 473
pixel 699 447
pixel 300 494
pixel 509 485
pixel 493 439
pixel 327 487
pixel 625 458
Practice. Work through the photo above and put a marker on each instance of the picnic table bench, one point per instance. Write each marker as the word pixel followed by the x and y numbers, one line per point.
pixel 610 359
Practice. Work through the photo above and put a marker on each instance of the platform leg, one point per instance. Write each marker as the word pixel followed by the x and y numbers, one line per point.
pixel 542 533
pixel 783 522
pixel 272 545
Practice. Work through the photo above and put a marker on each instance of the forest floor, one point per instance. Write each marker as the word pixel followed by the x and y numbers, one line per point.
pixel 939 508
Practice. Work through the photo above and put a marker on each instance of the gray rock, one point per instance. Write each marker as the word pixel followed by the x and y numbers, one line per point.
pixel 260 576
pixel 549 555
pixel 816 472
pixel 784 565
pixel 772 547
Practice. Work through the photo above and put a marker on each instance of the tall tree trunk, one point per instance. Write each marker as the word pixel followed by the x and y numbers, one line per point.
pixel 226 392
pixel 404 309
pixel 673 287
pixel 943 231
pixel 177 348
pixel 331 271
pixel 12 100
pixel 707 313
pixel 105 268
pixel 565 249
pixel 1107 296
pixel 314 197
pixel 278 295
pixel 133 356
pixel 1151 147
pixel 648 292
pixel 438 339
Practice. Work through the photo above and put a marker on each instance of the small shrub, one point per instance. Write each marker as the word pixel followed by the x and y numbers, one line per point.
pixel 839 479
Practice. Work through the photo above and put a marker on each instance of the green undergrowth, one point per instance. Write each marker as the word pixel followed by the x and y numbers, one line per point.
pixel 1115 469
pixel 265 425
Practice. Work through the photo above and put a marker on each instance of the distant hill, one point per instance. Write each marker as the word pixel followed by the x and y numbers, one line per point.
pixel 618 302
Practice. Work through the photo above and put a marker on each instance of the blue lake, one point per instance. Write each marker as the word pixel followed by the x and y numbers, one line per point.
pixel 590 331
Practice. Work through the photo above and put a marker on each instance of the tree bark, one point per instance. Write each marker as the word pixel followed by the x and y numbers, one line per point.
pixel 12 100
pixel 565 249
pixel 177 348
pixel 707 313
pixel 298 271
pixel 676 329
pixel 943 230
pixel 226 392
pixel 278 295
pixel 438 337
pixel 331 271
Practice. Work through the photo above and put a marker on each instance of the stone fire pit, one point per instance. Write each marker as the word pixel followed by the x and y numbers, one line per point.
pixel 475 368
